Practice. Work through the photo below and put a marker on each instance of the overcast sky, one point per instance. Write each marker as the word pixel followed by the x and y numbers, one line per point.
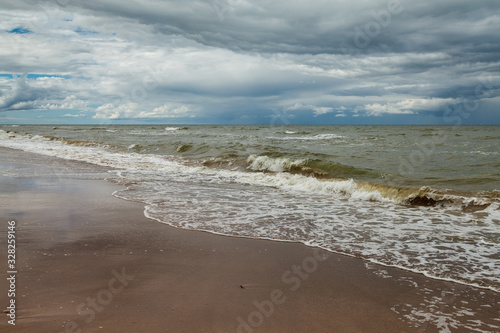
pixel 250 62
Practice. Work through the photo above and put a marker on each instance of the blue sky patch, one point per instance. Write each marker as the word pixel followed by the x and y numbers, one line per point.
pixel 36 76
pixel 82 31
pixel 20 30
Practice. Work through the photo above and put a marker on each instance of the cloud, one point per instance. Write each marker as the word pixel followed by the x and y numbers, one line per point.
pixel 40 93
pixel 301 28
pixel 408 106
pixel 111 111
pixel 69 103
pixel 322 110
pixel 69 115
pixel 134 110
pixel 20 97
pixel 231 61
pixel 171 111
pixel 318 110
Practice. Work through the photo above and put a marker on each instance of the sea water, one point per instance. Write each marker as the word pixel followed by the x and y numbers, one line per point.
pixel 421 198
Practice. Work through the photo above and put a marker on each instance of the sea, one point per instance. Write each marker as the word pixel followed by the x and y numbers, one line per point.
pixel 421 198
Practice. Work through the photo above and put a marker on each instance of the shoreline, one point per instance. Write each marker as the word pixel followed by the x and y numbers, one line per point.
pixel 368 261
pixel 78 242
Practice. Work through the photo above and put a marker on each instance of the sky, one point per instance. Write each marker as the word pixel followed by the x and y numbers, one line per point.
pixel 250 62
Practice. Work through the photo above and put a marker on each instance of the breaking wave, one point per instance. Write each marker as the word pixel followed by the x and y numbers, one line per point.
pixel 316 177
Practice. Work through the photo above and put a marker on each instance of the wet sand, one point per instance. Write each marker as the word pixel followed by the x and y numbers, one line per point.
pixel 89 262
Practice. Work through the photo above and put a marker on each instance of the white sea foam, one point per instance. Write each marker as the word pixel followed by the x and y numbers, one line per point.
pixel 327 136
pixel 447 311
pixel 423 240
pixel 324 136
pixel 265 163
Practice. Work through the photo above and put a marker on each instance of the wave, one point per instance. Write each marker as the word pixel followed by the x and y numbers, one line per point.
pixel 281 172
pixel 176 128
pixel 76 142
pixel 309 167
pixel 427 196
pixel 325 136
pixel 368 191
pixel 265 163
pixel 413 196
pixel 135 147
pixel 183 148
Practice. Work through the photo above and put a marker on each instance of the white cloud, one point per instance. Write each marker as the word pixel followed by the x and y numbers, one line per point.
pixel 317 110
pixel 407 106
pixel 111 111
pixel 168 111
pixel 69 103
pixel 136 111
pixel 69 115
pixel 297 106
pixel 322 110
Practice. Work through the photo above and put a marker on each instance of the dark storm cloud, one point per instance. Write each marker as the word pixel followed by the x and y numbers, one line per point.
pixel 319 26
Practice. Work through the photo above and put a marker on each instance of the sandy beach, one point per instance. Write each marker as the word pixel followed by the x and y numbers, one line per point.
pixel 89 262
